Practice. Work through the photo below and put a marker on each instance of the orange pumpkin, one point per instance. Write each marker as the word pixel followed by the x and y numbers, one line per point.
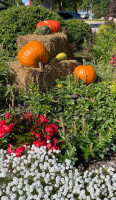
pixel 86 73
pixel 32 53
pixel 41 23
pixel 54 25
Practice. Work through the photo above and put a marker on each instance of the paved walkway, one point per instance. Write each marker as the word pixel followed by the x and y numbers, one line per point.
pixel 95 25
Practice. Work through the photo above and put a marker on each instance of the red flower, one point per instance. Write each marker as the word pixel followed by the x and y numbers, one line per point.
pixel 38 135
pixel 11 127
pixel 39 143
pixel 2 134
pixel 55 141
pixel 32 132
pixel 9 150
pixel 114 58
pixel 6 129
pixel 19 151
pixel 7 115
pixel 29 116
pixel 55 128
pixel 54 147
pixel 48 146
pixel 48 137
pixel 2 122
pixel 49 129
pixel 43 119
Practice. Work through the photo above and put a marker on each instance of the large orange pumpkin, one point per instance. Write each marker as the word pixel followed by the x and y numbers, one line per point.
pixel 54 25
pixel 32 53
pixel 86 73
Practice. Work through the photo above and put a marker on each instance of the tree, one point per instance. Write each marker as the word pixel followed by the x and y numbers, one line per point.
pixel 99 7
pixel 111 11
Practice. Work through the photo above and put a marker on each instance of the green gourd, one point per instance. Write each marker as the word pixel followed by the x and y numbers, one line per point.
pixel 43 30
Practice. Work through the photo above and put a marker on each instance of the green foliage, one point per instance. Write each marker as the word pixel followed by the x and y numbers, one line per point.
pixel 105 43
pixel 99 7
pixel 78 31
pixel 88 114
pixel 21 20
pixel 3 74
pixel 96 11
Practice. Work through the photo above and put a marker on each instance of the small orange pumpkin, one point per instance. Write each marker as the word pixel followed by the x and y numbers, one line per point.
pixel 32 53
pixel 86 73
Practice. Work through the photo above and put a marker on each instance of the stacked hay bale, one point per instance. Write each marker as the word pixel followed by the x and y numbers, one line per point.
pixel 54 43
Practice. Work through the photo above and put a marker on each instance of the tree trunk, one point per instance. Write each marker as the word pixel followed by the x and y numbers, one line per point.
pixel 61 6
pixel 49 4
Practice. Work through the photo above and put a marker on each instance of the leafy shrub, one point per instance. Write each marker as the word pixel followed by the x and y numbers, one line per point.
pixel 21 20
pixel 78 31
pixel 86 115
pixel 3 74
pixel 105 42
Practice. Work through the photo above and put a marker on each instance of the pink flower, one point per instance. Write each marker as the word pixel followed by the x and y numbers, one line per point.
pixel 7 115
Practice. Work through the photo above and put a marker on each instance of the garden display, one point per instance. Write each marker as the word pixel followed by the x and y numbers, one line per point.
pixel 54 25
pixel 86 73
pixel 57 119
pixel 32 53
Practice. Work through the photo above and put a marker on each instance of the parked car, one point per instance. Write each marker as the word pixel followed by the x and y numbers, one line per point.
pixel 83 14
pixel 69 15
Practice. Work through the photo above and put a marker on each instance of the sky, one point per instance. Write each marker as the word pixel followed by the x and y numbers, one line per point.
pixel 24 1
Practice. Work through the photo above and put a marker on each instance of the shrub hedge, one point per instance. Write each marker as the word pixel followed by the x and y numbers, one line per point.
pixel 105 42
pixel 78 31
pixel 22 20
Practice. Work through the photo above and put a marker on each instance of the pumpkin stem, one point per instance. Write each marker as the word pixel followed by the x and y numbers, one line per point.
pixel 40 64
pixel 84 62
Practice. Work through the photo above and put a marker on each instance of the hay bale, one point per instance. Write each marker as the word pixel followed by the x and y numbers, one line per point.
pixel 45 78
pixel 54 43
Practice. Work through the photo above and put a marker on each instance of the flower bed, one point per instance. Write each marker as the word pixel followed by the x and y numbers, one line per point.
pixel 39 175
pixel 19 131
